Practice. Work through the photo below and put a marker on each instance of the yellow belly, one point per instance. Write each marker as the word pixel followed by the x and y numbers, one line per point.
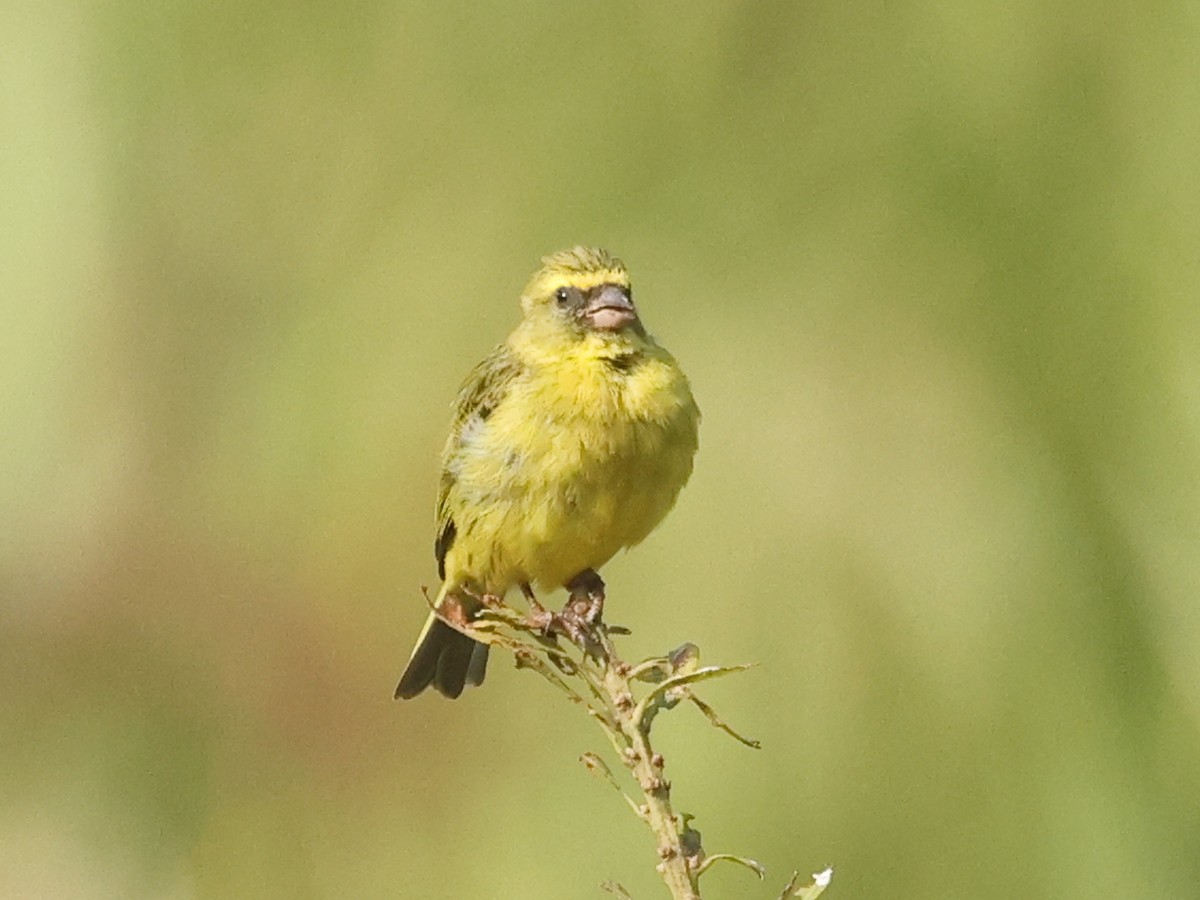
pixel 543 495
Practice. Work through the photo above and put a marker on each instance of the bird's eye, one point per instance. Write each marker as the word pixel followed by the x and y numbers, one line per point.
pixel 562 295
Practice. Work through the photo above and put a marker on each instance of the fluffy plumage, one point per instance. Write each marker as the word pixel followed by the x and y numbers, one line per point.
pixel 570 441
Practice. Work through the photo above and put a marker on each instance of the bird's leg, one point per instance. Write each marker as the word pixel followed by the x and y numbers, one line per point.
pixel 550 624
pixel 580 618
pixel 527 591
pixel 539 617
pixel 586 602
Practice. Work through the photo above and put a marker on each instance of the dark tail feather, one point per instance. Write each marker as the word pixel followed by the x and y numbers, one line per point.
pixel 445 658
pixel 477 668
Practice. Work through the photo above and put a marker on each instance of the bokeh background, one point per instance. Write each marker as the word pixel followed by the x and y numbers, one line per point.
pixel 932 268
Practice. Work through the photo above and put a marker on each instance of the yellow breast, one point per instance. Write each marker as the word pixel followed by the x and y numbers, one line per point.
pixel 585 456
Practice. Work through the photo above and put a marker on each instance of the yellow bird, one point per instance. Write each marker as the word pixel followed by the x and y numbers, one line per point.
pixel 570 441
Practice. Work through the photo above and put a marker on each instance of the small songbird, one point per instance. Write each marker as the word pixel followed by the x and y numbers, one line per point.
pixel 570 441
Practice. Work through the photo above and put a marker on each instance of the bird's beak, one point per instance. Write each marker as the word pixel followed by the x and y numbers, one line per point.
pixel 609 308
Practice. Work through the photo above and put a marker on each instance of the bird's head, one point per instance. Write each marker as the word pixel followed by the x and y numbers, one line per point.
pixel 582 290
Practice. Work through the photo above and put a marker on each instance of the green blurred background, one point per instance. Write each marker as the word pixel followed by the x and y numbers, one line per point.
pixel 932 268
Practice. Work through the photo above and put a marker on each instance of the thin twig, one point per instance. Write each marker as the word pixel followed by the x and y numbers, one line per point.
pixel 608 695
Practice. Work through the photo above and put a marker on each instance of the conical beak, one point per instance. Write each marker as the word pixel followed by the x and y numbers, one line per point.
pixel 609 308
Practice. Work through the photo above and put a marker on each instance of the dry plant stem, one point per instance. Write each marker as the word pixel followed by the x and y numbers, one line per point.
pixel 591 675
pixel 647 768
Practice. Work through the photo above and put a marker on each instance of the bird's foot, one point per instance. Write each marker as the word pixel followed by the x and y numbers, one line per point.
pixel 586 603
pixel 579 617
pixel 491 601
pixel 539 618
pixel 549 625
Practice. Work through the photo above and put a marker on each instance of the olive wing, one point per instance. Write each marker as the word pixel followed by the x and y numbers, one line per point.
pixel 484 388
